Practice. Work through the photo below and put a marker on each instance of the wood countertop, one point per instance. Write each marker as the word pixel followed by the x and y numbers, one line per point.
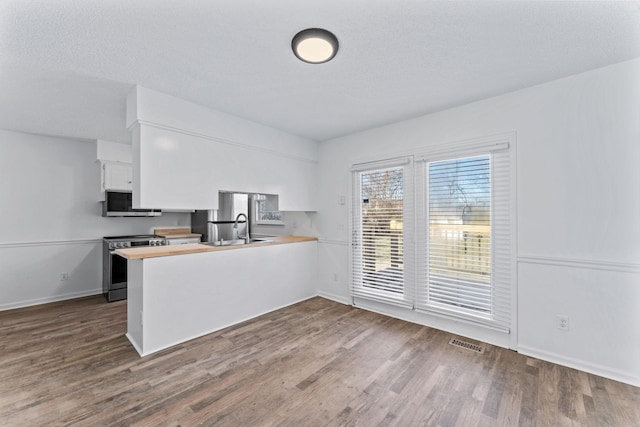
pixel 192 248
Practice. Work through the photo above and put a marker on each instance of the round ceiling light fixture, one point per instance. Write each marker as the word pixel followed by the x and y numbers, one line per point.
pixel 315 45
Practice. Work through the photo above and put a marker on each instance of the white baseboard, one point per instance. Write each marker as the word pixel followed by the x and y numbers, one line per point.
pixel 133 344
pixel 580 365
pixel 333 297
pixel 53 298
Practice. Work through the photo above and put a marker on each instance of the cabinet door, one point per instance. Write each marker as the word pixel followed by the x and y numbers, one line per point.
pixel 118 176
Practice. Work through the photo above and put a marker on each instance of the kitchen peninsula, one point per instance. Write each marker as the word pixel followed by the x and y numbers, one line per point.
pixel 177 293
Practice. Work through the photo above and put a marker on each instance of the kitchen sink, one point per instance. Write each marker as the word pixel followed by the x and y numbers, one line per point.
pixel 260 240
pixel 236 242
pixel 225 242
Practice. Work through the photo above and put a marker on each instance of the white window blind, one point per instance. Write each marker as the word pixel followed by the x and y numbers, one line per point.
pixel 382 219
pixel 466 236
pixel 459 251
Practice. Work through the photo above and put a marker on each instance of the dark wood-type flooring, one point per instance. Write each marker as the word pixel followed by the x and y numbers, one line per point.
pixel 315 363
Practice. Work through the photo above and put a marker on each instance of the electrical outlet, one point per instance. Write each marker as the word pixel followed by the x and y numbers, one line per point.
pixel 64 276
pixel 335 277
pixel 562 322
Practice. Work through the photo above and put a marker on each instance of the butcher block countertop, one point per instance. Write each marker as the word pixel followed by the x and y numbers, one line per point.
pixel 192 248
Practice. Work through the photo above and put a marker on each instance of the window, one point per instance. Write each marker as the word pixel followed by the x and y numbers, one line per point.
pixel 451 253
pixel 459 234
pixel 266 210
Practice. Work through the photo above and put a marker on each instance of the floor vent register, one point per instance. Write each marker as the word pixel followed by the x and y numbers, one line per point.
pixel 467 345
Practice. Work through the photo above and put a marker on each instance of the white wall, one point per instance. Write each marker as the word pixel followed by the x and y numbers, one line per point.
pixel 578 191
pixel 295 223
pixel 50 219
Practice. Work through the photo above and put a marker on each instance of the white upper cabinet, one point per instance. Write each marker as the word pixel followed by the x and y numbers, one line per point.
pixel 117 176
pixel 116 166
pixel 183 154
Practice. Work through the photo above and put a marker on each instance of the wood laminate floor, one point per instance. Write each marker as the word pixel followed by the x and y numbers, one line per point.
pixel 315 363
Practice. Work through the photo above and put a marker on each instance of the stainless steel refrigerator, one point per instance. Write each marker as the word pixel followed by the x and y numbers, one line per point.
pixel 217 224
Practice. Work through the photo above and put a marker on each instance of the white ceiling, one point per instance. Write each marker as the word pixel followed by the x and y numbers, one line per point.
pixel 67 65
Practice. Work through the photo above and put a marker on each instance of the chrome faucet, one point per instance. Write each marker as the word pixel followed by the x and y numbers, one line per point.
pixel 247 237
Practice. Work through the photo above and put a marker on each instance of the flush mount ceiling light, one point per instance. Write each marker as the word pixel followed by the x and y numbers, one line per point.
pixel 315 45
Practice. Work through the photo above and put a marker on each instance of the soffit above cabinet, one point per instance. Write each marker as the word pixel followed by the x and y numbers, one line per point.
pixel 114 152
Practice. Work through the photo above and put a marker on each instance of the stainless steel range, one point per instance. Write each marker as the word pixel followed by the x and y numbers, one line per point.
pixel 114 267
